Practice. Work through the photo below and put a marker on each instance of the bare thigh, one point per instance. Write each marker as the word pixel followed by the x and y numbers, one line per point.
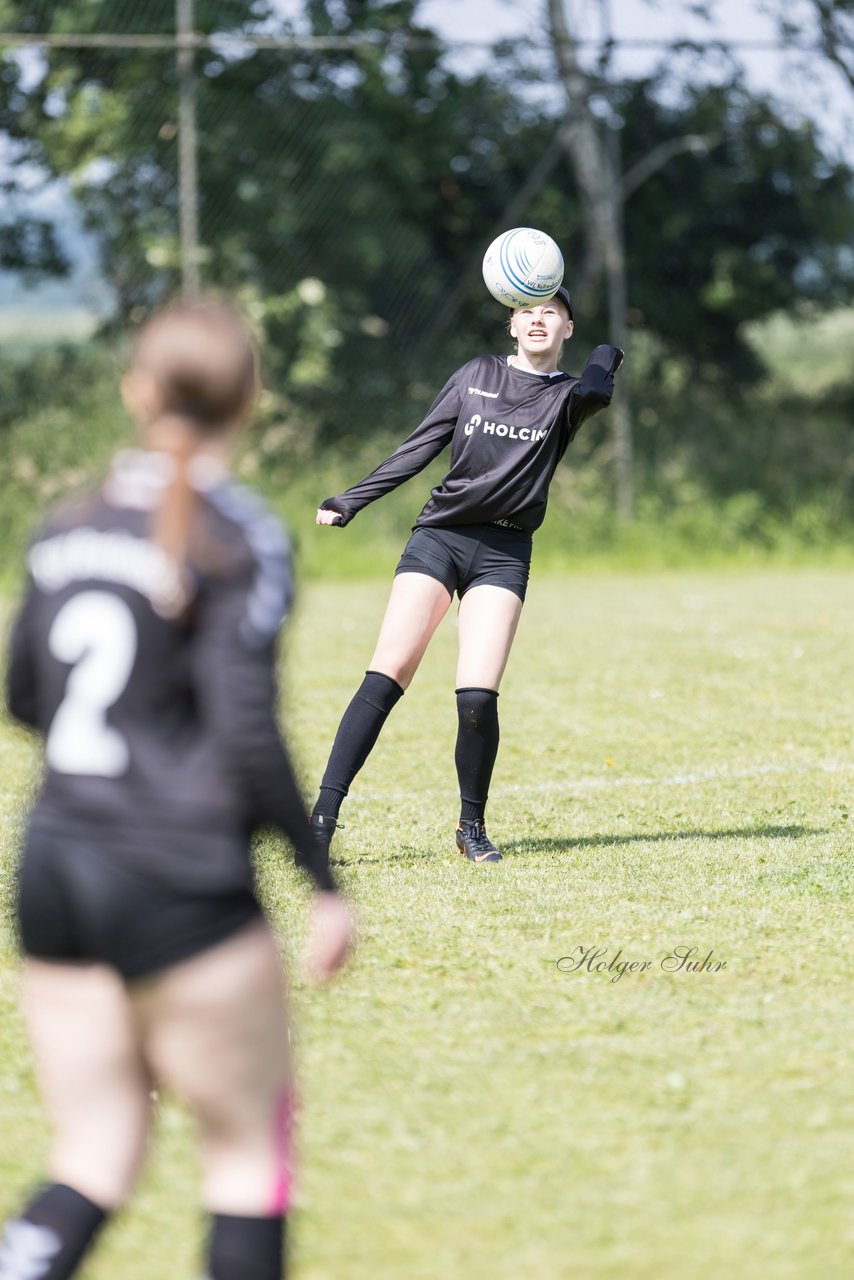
pixel 216 1033
pixel 488 620
pixel 92 1076
pixel 416 606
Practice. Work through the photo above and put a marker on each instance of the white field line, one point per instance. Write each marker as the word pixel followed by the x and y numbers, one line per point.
pixel 608 781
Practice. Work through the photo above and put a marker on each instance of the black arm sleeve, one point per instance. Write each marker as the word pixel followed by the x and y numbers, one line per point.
pixel 595 387
pixel 21 696
pixel 235 680
pixel 420 448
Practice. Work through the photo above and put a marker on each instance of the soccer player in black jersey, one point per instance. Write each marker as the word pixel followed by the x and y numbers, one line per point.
pixel 508 421
pixel 144 653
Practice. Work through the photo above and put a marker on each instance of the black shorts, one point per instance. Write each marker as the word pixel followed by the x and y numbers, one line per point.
pixel 464 556
pixel 75 905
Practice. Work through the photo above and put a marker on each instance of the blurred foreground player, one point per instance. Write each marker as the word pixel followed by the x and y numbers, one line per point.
pixel 145 654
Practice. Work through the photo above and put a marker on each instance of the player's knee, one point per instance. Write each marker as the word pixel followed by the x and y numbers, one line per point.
pixel 399 667
pixel 102 1166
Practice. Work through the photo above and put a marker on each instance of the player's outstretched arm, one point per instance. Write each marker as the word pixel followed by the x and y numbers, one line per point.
pixel 409 458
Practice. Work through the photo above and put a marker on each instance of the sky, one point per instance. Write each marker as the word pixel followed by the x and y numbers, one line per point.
pixel 823 93
pixel 817 90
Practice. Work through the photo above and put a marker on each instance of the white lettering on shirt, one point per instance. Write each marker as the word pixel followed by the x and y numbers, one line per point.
pixel 502 429
pixel 110 555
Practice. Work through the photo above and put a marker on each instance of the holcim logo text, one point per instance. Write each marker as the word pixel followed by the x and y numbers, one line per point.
pixel 530 434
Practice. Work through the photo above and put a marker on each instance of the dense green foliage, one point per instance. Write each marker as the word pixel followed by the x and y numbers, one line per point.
pixel 346 195
pixel 767 474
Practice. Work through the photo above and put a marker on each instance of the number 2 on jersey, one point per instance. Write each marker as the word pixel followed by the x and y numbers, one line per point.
pixel 96 633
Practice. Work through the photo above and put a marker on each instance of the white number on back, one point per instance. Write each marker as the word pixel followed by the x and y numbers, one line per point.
pixel 96 632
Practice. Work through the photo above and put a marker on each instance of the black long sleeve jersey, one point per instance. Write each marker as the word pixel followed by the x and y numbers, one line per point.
pixel 508 430
pixel 161 740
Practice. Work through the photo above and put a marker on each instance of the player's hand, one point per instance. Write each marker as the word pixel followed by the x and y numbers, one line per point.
pixel 331 935
pixel 324 516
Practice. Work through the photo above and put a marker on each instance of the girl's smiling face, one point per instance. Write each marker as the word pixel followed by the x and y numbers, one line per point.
pixel 540 331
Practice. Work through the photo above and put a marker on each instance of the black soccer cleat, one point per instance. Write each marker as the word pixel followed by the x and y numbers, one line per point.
pixel 323 829
pixel 473 841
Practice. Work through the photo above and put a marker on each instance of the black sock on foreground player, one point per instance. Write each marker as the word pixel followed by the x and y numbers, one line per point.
pixel 477 747
pixel 51 1236
pixel 357 733
pixel 246 1248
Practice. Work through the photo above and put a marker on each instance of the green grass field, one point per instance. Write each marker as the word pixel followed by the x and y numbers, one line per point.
pixel 676 770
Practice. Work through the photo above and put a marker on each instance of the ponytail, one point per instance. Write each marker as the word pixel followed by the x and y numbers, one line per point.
pixel 202 364
pixel 174 516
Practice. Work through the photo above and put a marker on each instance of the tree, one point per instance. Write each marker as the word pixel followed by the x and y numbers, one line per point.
pixel 836 25
pixel 597 169
pixel 829 22
pixel 348 192
pixel 772 217
pixel 367 166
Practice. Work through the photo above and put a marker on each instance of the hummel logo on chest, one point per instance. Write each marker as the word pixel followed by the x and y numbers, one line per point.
pixel 476 391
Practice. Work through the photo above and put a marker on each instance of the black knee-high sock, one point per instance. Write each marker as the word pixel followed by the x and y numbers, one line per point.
pixel 49 1239
pixel 477 747
pixel 246 1248
pixel 357 733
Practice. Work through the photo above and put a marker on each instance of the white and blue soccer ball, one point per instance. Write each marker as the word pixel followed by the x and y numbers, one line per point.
pixel 523 266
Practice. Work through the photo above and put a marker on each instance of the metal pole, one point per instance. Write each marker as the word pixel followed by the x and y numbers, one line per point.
pixel 188 183
pixel 617 271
